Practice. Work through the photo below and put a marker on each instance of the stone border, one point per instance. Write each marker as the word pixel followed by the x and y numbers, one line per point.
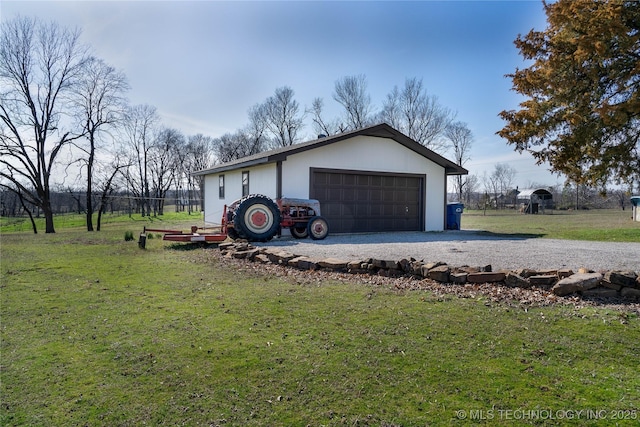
pixel 563 282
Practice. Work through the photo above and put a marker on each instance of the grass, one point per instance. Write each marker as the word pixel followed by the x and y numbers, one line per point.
pixel 73 220
pixel 97 332
pixel 593 225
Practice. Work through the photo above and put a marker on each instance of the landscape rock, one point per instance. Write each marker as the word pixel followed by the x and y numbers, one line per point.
pixel 467 269
pixel 386 264
pixel 430 265
pixel 440 274
pixel 564 272
pixel 279 257
pixel 586 283
pixel 622 278
pixel 262 258
pixel 333 264
pixel 416 268
pixel 610 285
pixel 303 263
pixel 239 254
pixel 406 265
pixel 486 277
pixel 458 278
pixel 525 272
pixel 630 293
pixel 543 280
pixel 516 281
pixel 576 282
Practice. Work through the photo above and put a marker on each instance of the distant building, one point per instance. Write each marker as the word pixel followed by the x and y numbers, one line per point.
pixel 534 200
pixel 635 201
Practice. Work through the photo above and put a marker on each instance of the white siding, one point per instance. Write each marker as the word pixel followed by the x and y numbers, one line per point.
pixel 262 180
pixel 369 154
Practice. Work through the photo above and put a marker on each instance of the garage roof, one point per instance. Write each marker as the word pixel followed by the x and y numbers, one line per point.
pixel 382 130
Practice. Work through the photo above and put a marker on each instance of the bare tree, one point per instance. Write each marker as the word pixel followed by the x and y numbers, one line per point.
pixel 461 139
pixel 105 183
pixel 490 186
pixel 351 93
pixel 254 133
pixel 99 102
pixel 471 185
pixel 502 179
pixel 417 114
pixel 164 165
pixel 244 142
pixel 320 125
pixel 283 118
pixel 10 198
pixel 39 65
pixel 138 127
pixel 198 156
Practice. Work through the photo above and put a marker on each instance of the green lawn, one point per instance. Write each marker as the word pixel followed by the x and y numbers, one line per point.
pixel 98 332
pixel 596 225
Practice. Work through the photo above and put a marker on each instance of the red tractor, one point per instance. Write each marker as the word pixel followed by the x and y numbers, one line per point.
pixel 259 218
pixel 256 218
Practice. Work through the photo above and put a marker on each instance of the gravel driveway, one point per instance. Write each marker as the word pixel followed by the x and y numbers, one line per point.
pixel 467 247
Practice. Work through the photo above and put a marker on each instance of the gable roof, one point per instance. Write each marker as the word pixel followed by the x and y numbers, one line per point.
pixel 382 130
pixel 540 192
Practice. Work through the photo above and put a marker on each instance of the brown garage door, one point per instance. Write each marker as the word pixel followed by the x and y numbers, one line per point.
pixel 354 201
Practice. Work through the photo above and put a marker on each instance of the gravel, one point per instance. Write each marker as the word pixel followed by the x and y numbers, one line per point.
pixel 469 247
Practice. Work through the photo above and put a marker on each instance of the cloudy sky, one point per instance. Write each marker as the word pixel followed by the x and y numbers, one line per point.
pixel 203 64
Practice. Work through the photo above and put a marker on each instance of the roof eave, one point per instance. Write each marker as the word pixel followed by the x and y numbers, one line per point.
pixel 234 166
pixel 457 170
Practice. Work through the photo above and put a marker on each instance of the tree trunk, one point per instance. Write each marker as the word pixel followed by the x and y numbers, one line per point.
pixel 33 221
pixel 99 218
pixel 89 191
pixel 48 217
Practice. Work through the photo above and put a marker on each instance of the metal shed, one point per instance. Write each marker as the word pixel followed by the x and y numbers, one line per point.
pixel 534 200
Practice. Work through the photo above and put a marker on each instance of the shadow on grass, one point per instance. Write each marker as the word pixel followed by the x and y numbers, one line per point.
pixel 191 246
pixel 508 236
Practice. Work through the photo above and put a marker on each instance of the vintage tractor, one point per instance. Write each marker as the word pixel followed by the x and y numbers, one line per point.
pixel 256 218
pixel 259 218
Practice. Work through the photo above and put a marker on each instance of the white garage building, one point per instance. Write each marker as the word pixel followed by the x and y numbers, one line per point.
pixel 371 179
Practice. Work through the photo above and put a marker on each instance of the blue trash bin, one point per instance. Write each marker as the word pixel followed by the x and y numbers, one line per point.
pixel 454 215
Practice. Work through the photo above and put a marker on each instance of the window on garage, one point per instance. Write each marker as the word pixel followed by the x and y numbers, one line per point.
pixel 245 183
pixel 221 186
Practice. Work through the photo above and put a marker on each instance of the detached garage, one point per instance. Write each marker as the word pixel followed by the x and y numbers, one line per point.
pixel 368 180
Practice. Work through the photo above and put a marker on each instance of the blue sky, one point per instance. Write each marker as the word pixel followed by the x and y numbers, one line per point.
pixel 203 64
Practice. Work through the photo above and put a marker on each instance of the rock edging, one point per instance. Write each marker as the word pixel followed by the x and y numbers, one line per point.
pixel 562 282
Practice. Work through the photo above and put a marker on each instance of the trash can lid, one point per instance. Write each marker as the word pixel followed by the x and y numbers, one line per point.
pixel 635 200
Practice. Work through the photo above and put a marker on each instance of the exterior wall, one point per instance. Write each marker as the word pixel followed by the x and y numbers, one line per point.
pixel 358 153
pixel 369 154
pixel 262 180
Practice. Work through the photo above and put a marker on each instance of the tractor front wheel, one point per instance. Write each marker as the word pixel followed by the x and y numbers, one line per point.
pixel 318 228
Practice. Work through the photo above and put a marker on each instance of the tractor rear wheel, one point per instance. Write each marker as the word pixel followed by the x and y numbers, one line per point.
pixel 257 218
pixel 318 228
pixel 233 234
